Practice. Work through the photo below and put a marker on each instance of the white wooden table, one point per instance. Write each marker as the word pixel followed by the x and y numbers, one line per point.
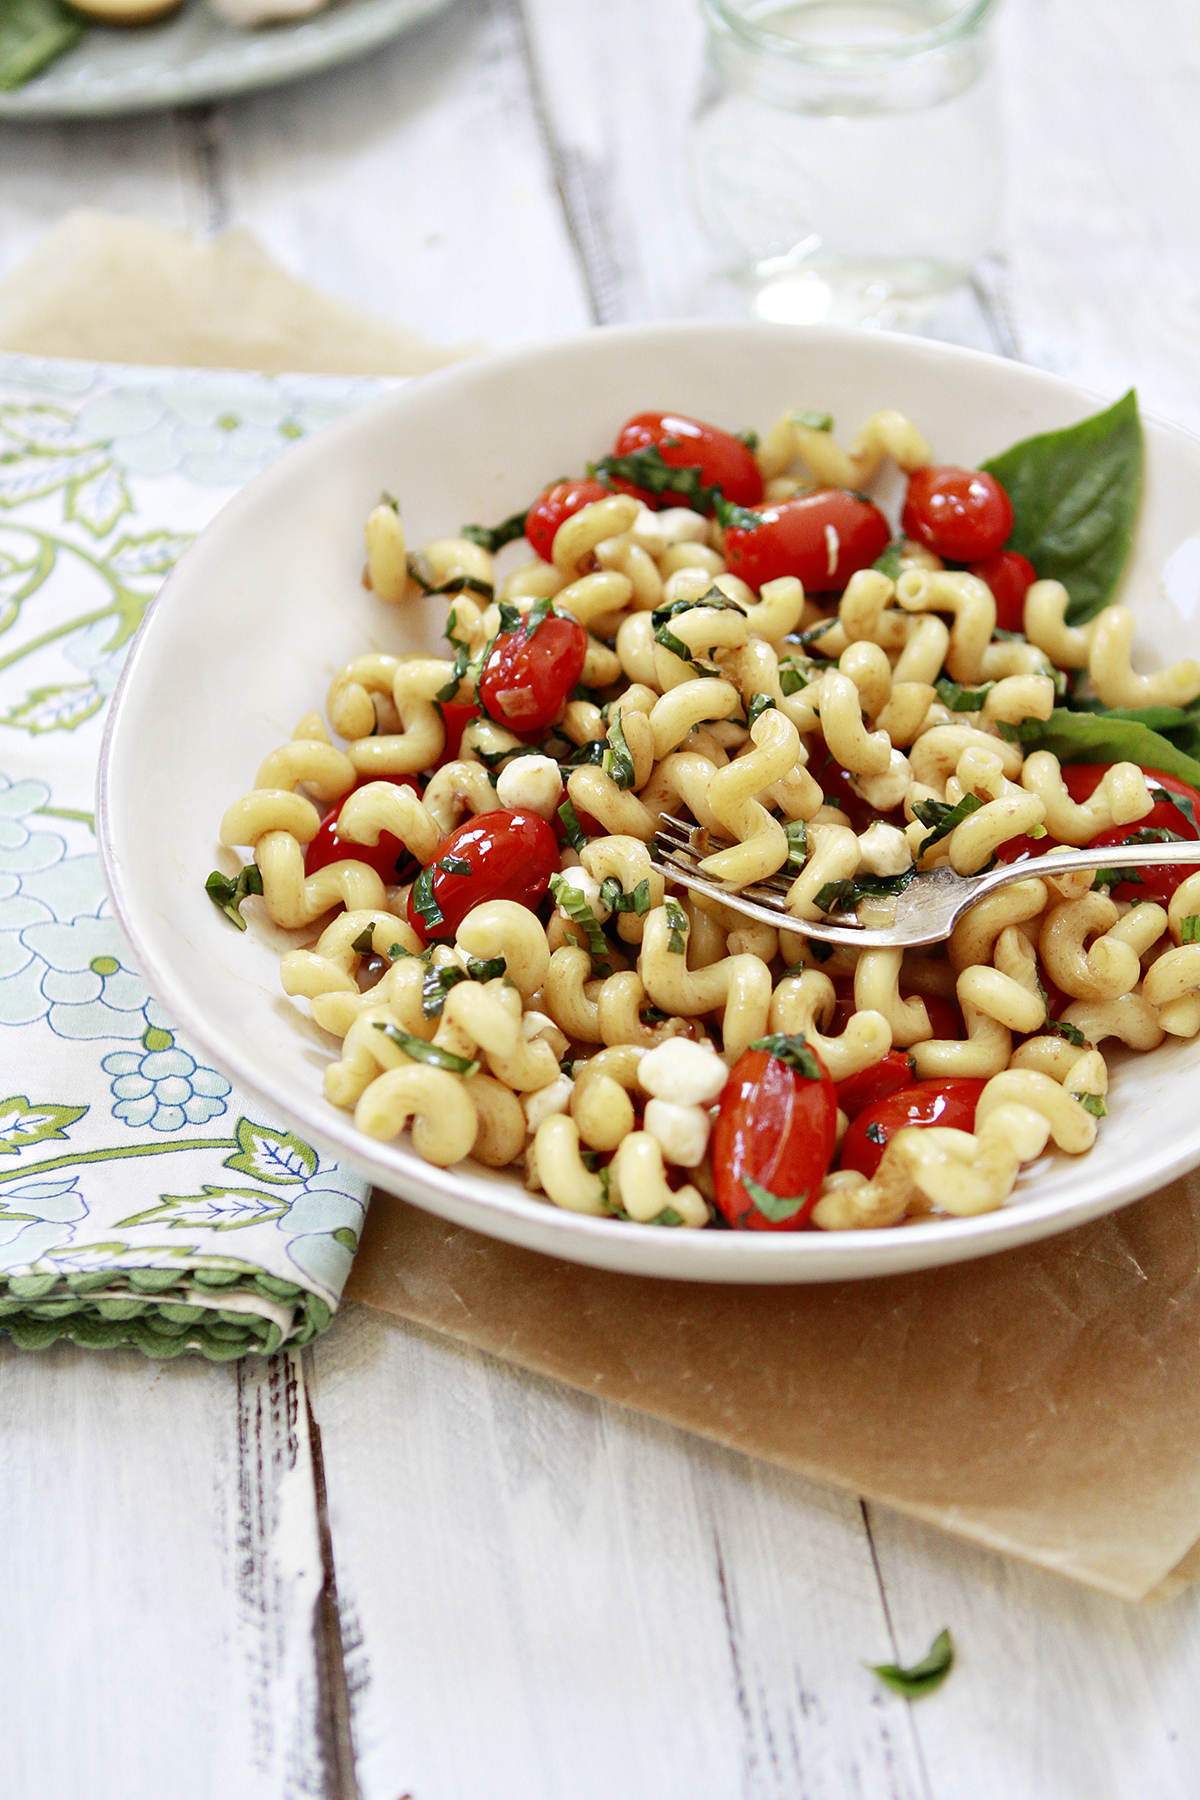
pixel 391 1566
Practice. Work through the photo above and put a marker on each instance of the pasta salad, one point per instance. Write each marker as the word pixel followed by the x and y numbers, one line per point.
pixel 733 629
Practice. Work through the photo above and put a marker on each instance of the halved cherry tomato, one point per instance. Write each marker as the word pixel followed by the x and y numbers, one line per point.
pixel 925 1103
pixel 387 857
pixel 556 504
pixel 837 784
pixel 526 681
pixel 456 716
pixel 496 856
pixel 824 538
pixel 891 1073
pixel 723 460
pixel 1082 779
pixel 1009 575
pixel 961 514
pixel 776 1126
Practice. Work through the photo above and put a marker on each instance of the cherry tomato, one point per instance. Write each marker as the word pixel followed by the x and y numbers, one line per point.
pixel 387 857
pixel 891 1073
pixel 950 1103
pixel 1082 779
pixel 824 538
pixel 777 1126
pixel 496 856
pixel 527 681
pixel 456 716
pixel 944 1015
pixel 961 514
pixel 556 504
pixel 723 460
pixel 837 784
pixel 1012 848
pixel 1009 575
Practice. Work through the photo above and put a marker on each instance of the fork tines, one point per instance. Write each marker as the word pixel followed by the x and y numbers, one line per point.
pixel 681 847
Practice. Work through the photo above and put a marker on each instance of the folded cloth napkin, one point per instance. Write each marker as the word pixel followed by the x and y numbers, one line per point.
pixel 142 1199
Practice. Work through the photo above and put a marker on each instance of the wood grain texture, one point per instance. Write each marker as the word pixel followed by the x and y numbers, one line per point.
pixel 161 1568
pixel 545 1596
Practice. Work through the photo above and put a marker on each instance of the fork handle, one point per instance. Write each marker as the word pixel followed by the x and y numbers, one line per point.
pixel 1092 856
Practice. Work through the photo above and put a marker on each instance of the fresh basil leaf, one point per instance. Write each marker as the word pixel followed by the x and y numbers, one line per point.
pixel 1075 497
pixel 922 1677
pixel 228 891
pixel 396 951
pixel 820 949
pixel 749 437
pixel 462 657
pixel 613 895
pixel 792 1050
pixel 942 818
pixel 617 760
pixel 791 679
pixel 591 751
pixel 847 893
pixel 962 699
pixel 1094 1104
pixel 889 563
pixel 1111 878
pixel 1060 1028
pixel 731 517
pixel 494 537
pixel 33 33
pixel 539 611
pixel 814 632
pixel 759 704
pixel 424 903
pixel 776 1207
pixel 510 617
pixel 420 1051
pixel 648 469
pixel 572 829
pixel 874 1133
pixel 678 922
pixel 1182 802
pixel 796 833
pixel 1104 737
pixel 486 969
pixel 436 984
pixel 1189 929
pixel 813 421
pixel 364 943
pixel 464 584
pixel 421 570
pixel 455 865
pixel 573 903
pixel 675 645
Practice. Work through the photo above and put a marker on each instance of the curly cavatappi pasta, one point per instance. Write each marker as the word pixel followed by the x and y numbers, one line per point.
pixel 563 1009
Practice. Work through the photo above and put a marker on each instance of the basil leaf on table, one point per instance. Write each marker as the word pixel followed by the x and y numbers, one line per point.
pixel 1075 496
pixel 1104 738
pixel 922 1677
pixel 33 33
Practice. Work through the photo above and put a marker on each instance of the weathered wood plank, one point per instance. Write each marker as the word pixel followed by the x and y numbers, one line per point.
pixel 161 1573
pixel 543 1596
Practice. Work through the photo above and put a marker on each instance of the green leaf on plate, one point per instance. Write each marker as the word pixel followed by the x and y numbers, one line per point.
pixel 922 1677
pixel 33 33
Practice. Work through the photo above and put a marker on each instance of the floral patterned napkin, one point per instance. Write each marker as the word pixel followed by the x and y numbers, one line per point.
pixel 142 1200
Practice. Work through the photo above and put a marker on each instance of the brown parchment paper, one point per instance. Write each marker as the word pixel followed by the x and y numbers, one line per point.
pixel 111 289
pixel 1044 1402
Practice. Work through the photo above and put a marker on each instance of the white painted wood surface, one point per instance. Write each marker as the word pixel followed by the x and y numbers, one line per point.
pixel 466 1583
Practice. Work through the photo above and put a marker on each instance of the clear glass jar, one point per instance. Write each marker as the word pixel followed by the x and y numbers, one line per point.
pixel 847 162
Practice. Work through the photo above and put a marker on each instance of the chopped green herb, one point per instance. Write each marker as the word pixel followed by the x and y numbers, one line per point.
pixel 486 969
pixel 617 760
pixel 820 949
pixel 1189 929
pixel 510 616
pixel 874 1133
pixel 396 951
pixel 436 984
pixel 668 1216
pixel 613 895
pixel 364 943
pixel 421 570
pixel 941 818
pixel 813 421
pixel 575 835
pixel 791 679
pixel 814 632
pixel 1183 801
pixel 889 563
pixel 846 894
pixel 796 833
pixel 591 751
pixel 775 1207
pixel 1094 1104
pixel 793 1051
pixel 33 33
pixel 962 699
pixel 647 468
pixel 424 902
pixel 678 922
pixel 731 517
pixel 922 1677
pixel 228 891
pixel 420 1051
pixel 573 903
pixel 462 658
pixel 759 704
pixel 1061 1028
pixel 456 865
pixel 464 584
pixel 1110 878
pixel 540 610
pixel 750 439
pixel 494 537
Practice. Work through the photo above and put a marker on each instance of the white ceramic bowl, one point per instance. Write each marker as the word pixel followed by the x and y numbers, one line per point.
pixel 268 604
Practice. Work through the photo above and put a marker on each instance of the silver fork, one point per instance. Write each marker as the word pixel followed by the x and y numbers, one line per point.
pixel 925 911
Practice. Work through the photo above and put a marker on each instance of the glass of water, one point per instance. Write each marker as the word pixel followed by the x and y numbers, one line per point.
pixel 847 158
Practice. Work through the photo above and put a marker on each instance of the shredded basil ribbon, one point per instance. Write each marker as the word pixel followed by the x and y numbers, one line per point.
pixel 228 891
pixel 792 1050
pixel 922 1677
pixel 420 1051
